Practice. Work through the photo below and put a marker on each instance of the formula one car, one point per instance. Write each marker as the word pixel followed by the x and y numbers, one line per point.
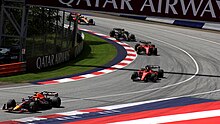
pixel 82 19
pixel 85 20
pixel 146 48
pixel 39 101
pixel 122 34
pixel 149 73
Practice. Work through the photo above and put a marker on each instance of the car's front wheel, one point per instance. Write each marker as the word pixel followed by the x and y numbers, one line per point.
pixel 11 103
pixel 134 76
pixel 136 47
pixel 132 37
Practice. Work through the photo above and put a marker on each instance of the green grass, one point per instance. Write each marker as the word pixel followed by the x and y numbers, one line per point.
pixel 96 52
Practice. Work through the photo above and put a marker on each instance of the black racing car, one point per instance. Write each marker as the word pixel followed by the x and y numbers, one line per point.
pixel 39 101
pixel 122 34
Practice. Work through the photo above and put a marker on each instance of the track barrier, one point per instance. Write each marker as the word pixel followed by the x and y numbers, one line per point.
pixel 12 68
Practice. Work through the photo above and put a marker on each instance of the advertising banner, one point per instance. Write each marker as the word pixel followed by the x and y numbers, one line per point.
pixel 41 62
pixel 205 10
pixel 51 60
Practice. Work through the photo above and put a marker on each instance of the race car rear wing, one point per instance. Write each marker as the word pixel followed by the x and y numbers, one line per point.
pixel 153 66
pixel 47 93
pixel 119 29
pixel 145 42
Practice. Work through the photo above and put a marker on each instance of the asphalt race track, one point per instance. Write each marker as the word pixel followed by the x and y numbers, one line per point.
pixel 189 57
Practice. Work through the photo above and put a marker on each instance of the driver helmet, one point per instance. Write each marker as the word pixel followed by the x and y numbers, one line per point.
pixel 147 68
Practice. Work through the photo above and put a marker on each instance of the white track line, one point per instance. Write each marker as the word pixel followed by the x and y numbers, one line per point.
pixel 194 37
pixel 172 118
pixel 156 27
pixel 153 27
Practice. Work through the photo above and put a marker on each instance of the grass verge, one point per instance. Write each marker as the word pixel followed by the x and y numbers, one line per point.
pixel 96 52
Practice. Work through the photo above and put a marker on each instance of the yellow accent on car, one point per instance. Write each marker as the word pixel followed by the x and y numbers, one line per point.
pixel 16 107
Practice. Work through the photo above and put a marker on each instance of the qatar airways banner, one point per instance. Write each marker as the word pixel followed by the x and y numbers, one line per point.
pixel 205 10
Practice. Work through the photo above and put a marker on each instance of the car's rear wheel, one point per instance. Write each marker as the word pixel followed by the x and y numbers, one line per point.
pixel 126 36
pixel 161 73
pixel 91 21
pixel 134 76
pixel 132 37
pixel 155 51
pixel 112 33
pixel 56 102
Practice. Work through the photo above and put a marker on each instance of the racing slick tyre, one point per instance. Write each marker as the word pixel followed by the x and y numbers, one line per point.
pixel 56 102
pixel 132 37
pixel 155 51
pixel 160 73
pixel 112 33
pixel 91 21
pixel 126 33
pixel 32 107
pixel 126 36
pixel 139 50
pixel 134 76
pixel 11 103
pixel 136 47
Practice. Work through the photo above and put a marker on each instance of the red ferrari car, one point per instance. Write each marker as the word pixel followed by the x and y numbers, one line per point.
pixel 149 73
pixel 146 48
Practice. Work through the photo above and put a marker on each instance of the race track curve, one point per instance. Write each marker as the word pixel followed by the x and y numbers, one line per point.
pixel 189 57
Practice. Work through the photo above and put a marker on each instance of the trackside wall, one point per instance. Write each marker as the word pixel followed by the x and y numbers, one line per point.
pixel 204 10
